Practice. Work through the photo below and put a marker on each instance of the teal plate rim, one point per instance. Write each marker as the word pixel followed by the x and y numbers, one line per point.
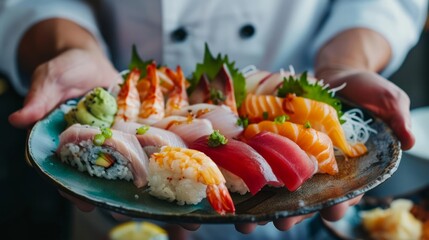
pixel 357 175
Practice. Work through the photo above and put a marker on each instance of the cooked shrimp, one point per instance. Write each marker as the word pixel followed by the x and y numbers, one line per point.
pixel 316 144
pixel 188 176
pixel 165 81
pixel 128 100
pixel 177 98
pixel 321 116
pixel 151 97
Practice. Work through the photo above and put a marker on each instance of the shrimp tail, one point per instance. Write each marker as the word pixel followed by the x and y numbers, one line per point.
pixel 219 198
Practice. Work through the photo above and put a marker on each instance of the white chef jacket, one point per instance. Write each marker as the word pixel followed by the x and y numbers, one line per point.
pixel 271 34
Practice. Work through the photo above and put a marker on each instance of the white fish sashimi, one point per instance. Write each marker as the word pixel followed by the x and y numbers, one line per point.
pixel 221 117
pixel 126 144
pixel 152 137
pixel 187 128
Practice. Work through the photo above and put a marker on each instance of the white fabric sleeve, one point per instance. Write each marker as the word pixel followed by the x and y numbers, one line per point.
pixel 17 16
pixel 398 21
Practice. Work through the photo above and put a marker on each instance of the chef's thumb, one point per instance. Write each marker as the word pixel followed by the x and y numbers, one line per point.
pixel 41 99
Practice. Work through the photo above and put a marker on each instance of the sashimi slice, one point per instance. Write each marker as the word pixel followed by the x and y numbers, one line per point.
pixel 321 116
pixel 221 117
pixel 240 159
pixel 315 143
pixel 152 137
pixel 124 143
pixel 289 162
pixel 187 128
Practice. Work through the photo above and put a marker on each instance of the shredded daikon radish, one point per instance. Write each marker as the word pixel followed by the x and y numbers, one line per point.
pixel 355 128
pixel 332 91
pixel 291 70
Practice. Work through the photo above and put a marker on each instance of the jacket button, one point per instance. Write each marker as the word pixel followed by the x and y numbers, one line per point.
pixel 179 35
pixel 247 31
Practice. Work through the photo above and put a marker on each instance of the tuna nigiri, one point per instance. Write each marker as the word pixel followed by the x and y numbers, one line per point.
pixel 112 155
pixel 316 144
pixel 289 162
pixel 321 116
pixel 238 158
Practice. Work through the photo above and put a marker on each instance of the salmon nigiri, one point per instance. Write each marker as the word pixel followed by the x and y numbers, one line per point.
pixel 300 110
pixel 316 144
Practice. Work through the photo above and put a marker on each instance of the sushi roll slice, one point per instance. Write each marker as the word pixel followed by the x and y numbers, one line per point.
pixel 104 153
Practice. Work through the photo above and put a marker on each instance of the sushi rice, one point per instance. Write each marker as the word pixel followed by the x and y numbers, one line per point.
pixel 175 184
pixel 84 155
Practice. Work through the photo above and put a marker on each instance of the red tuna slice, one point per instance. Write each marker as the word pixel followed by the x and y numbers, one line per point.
pixel 241 160
pixel 289 162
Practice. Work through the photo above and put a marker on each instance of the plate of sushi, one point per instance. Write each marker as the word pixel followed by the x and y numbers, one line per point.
pixel 221 146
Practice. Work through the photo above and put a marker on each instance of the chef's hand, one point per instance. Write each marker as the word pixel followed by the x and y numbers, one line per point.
pixel 371 91
pixel 333 213
pixel 355 57
pixel 68 64
pixel 71 74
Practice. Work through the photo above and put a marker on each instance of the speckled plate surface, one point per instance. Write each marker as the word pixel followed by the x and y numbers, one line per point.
pixel 356 176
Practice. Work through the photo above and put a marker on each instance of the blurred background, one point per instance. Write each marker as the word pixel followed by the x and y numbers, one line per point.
pixel 30 207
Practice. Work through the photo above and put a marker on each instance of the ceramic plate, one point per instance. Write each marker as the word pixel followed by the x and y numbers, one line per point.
pixel 350 226
pixel 356 176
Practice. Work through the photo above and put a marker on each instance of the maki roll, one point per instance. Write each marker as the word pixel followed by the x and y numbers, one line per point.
pixel 103 152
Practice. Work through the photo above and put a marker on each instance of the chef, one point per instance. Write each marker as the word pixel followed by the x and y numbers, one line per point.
pixel 53 50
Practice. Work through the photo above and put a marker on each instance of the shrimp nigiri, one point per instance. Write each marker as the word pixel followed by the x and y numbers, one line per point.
pixel 177 98
pixel 128 100
pixel 321 116
pixel 151 97
pixel 188 176
pixel 316 144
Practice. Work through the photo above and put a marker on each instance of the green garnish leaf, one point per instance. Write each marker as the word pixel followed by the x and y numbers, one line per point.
pixel 265 115
pixel 281 119
pixel 99 139
pixel 307 124
pixel 243 121
pixel 137 62
pixel 106 132
pixel 302 87
pixel 142 130
pixel 216 139
pixel 211 66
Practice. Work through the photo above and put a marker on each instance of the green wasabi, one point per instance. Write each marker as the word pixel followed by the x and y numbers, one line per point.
pixel 97 108
pixel 101 104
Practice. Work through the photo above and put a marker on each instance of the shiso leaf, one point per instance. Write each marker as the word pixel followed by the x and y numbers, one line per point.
pixel 211 66
pixel 300 86
pixel 137 62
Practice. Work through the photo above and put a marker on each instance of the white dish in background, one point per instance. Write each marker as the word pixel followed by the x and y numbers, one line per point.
pixel 420 126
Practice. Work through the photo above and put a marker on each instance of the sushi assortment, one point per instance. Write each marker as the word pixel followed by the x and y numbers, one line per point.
pixel 219 131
